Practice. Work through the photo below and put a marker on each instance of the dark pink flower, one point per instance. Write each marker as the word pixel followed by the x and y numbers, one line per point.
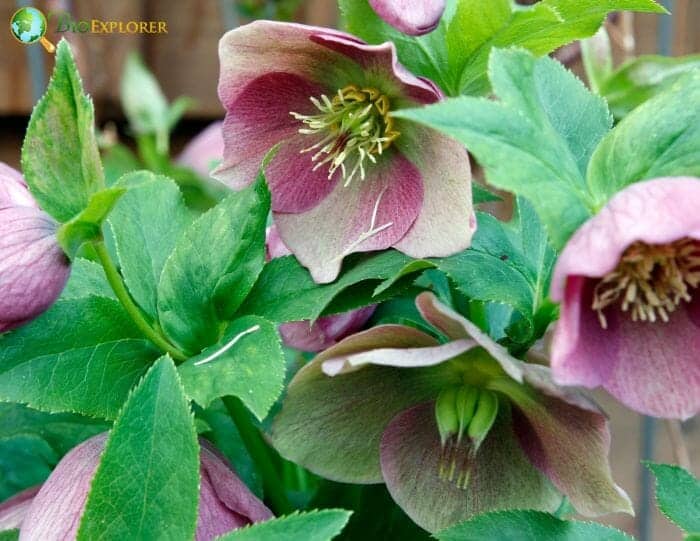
pixel 33 268
pixel 326 331
pixel 225 503
pixel 630 316
pixel 413 17
pixel 454 427
pixel 205 151
pixel 346 176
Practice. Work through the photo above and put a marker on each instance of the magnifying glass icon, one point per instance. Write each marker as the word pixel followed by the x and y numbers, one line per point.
pixel 28 25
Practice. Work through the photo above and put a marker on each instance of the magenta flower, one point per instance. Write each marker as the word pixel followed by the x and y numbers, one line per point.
pixel 630 316
pixel 453 428
pixel 33 268
pixel 346 176
pixel 205 151
pixel 413 17
pixel 326 331
pixel 225 503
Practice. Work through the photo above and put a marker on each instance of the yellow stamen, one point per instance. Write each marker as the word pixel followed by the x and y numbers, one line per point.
pixel 650 281
pixel 354 127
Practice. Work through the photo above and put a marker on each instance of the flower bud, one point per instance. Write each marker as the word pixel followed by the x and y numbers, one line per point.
pixel 205 151
pixel 33 268
pixel 225 503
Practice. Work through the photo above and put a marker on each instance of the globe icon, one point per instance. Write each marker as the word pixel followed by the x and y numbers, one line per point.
pixel 28 25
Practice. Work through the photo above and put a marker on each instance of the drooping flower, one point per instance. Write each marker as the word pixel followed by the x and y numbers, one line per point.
pixel 630 315
pixel 33 268
pixel 346 176
pixel 225 503
pixel 205 151
pixel 413 17
pixel 14 509
pixel 454 428
pixel 326 331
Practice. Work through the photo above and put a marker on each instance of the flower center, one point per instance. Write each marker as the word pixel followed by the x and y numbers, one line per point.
pixel 650 281
pixel 353 128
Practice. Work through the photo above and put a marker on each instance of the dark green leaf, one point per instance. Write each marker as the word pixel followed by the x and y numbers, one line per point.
pixel 483 195
pixel 213 268
pixel 323 525
pixel 659 138
pixel 248 363
pixel 147 483
pixel 87 279
pixel 60 159
pixel 82 355
pixel 87 225
pixel 528 526
pixel 678 496
pixel 147 223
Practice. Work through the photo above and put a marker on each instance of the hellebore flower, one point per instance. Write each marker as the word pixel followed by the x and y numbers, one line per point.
pixel 225 503
pixel 205 151
pixel 630 315
pixel 413 17
pixel 33 268
pixel 346 176
pixel 326 331
pixel 453 428
pixel 13 510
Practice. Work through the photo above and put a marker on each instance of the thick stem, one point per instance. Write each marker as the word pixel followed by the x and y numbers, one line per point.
pixel 680 450
pixel 115 280
pixel 260 453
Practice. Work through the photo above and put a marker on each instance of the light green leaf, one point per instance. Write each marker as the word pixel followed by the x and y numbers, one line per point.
pixel 60 159
pixel 596 53
pixel 528 526
pixel 248 363
pixel 147 223
pixel 678 496
pixel 118 160
pixel 532 142
pixel 213 268
pixel 285 290
pixel 87 279
pixel 83 355
pixel 147 483
pixel 323 525
pixel 659 138
pixel 87 225
pixel 642 78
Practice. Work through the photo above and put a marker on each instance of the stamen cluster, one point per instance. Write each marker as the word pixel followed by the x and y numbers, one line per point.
pixel 650 281
pixel 355 127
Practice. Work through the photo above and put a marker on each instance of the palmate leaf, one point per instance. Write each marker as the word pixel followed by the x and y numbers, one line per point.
pixel 317 525
pixel 60 159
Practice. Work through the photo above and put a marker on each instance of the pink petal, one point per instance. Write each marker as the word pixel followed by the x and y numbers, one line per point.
pixel 653 211
pixel 274 246
pixel 13 510
pixel 501 476
pixel 366 215
pixel 258 119
pixel 446 221
pixel 33 268
pixel 204 150
pixel 413 17
pixel 13 188
pixel 652 368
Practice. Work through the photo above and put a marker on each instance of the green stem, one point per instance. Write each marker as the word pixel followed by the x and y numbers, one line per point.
pixel 115 280
pixel 261 454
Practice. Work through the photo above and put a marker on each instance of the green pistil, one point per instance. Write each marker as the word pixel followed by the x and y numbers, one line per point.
pixel 354 128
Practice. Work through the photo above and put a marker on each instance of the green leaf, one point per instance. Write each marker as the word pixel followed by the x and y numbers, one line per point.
pixel 248 363
pixel 531 142
pixel 147 223
pixel 528 526
pixel 678 496
pixel 321 525
pixel 285 290
pixel 118 160
pixel 213 268
pixel 87 225
pixel 147 483
pixel 596 53
pixel 484 195
pixel 642 78
pixel 9 535
pixel 83 355
pixel 60 159
pixel 87 279
pixel 659 138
